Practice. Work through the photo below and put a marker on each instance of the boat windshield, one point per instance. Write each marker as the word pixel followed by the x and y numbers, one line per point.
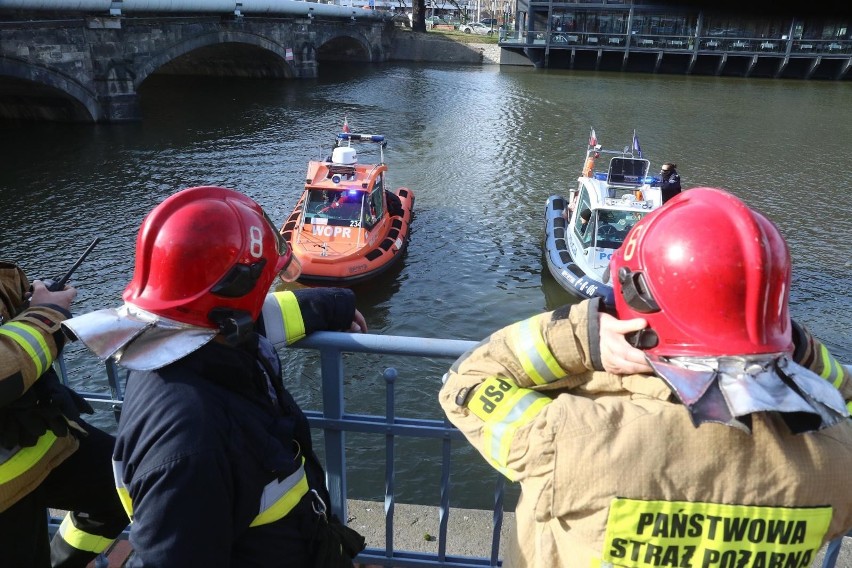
pixel 628 171
pixel 339 207
pixel 613 226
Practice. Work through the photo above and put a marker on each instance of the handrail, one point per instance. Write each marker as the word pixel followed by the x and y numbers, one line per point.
pixel 704 44
pixel 334 421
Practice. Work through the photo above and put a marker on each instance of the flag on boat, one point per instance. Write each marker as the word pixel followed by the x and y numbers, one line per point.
pixel 593 140
pixel 345 124
pixel 636 147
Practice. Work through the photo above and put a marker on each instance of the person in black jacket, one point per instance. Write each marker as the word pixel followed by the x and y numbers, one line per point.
pixel 214 460
pixel 669 181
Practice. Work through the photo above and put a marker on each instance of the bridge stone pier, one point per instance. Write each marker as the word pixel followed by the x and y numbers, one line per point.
pixel 88 68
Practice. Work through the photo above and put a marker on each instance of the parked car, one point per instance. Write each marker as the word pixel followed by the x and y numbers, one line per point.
pixel 490 22
pixel 437 21
pixel 476 28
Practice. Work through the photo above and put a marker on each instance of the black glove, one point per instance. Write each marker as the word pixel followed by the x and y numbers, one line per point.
pixel 52 392
pixel 335 544
pixel 24 421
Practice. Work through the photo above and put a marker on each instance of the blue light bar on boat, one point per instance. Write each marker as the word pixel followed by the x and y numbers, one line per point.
pixel 650 180
pixel 363 137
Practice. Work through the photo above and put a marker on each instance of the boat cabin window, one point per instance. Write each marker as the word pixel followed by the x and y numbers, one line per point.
pixel 584 230
pixel 339 207
pixel 374 212
pixel 613 226
pixel 316 201
pixel 628 171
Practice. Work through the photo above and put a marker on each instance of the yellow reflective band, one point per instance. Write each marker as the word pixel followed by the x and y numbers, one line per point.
pixel 30 341
pixel 831 370
pixel 849 407
pixel 294 325
pixel 121 488
pixel 538 362
pixel 26 458
pixel 279 497
pixel 645 534
pixel 82 540
pixel 504 407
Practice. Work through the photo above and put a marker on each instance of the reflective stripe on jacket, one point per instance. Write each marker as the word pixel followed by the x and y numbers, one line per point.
pixel 23 469
pixel 28 345
pixel 278 498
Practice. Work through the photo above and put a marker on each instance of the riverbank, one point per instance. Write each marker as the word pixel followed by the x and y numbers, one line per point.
pixel 444 47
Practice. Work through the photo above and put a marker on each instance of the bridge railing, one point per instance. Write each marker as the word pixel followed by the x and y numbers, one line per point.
pixel 335 422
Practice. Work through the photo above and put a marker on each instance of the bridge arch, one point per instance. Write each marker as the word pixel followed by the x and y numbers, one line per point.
pixel 30 91
pixel 266 59
pixel 345 47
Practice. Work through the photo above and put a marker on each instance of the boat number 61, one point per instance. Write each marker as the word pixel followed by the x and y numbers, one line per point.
pixel 255 241
pixel 630 245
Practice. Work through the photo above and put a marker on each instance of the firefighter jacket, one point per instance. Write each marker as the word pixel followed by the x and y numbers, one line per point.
pixel 214 460
pixel 614 473
pixel 29 343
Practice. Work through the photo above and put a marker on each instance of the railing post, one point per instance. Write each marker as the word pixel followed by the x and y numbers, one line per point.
pixel 390 413
pixel 335 439
pixel 444 507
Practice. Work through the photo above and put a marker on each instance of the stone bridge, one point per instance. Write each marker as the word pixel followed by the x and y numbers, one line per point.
pixel 88 68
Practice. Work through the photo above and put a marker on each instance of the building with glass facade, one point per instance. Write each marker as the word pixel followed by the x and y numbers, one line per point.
pixel 640 36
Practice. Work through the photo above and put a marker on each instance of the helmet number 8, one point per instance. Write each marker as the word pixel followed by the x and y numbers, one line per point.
pixel 255 241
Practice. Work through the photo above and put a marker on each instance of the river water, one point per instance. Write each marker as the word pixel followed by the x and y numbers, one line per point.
pixel 482 148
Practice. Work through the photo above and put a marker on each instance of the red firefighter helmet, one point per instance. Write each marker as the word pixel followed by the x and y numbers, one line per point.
pixel 205 253
pixel 710 276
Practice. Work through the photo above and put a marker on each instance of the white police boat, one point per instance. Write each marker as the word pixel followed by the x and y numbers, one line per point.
pixel 598 214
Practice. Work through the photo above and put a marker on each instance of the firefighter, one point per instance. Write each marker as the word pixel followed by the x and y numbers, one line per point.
pixel 214 461
pixel 49 457
pixel 724 441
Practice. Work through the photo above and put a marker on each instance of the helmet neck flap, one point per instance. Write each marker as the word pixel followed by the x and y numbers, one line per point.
pixel 727 390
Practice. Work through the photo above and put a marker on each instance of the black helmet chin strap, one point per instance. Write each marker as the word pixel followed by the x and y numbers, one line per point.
pixel 234 325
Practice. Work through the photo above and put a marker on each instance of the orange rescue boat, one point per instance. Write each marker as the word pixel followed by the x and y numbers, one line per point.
pixel 348 226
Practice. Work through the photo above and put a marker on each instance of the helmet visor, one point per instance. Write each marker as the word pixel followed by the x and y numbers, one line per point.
pixel 288 266
pixel 292 270
pixel 281 245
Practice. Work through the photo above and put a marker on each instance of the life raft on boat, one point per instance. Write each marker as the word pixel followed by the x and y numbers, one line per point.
pixel 348 226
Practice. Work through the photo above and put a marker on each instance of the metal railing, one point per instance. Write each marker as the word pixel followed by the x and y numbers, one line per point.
pixel 668 42
pixel 335 422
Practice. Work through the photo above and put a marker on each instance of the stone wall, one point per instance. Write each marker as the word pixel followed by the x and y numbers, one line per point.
pixel 413 46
